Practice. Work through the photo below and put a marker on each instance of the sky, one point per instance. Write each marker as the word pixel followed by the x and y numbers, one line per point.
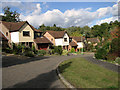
pixel 64 14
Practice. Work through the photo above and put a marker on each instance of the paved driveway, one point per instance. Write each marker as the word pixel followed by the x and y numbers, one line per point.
pixel 37 72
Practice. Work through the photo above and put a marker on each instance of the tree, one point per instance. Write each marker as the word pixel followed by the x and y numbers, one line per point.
pixel 10 16
pixel 54 25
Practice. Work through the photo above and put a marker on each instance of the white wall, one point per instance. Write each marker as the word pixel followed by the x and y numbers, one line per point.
pixel 66 36
pixel 59 42
pixel 15 37
pixel 80 45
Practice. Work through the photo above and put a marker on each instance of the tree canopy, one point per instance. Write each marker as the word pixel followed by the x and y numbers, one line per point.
pixel 10 16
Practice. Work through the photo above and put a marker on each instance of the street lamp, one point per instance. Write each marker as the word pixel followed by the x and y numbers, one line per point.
pixel 82 43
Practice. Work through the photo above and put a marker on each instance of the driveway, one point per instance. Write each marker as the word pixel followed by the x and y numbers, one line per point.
pixel 38 72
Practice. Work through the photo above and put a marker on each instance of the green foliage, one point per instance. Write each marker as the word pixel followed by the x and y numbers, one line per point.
pixel 34 50
pixel 115 45
pixel 9 50
pixel 58 50
pixel 101 53
pixel 65 52
pixel 29 54
pixel 72 50
pixel 10 16
pixel 117 60
pixel 41 52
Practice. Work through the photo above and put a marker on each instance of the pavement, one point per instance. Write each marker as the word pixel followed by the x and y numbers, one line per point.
pixel 37 72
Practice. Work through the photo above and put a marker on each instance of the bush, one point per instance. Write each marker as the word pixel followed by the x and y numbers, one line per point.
pixel 41 52
pixel 34 50
pixel 72 50
pixel 101 53
pixel 117 60
pixel 8 50
pixel 65 52
pixel 58 49
pixel 29 54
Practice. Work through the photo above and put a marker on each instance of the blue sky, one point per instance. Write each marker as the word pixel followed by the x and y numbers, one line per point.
pixel 65 14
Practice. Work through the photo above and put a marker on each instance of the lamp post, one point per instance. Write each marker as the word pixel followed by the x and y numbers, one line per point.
pixel 82 43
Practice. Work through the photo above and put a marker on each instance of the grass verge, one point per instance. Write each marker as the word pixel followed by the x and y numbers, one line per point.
pixel 84 74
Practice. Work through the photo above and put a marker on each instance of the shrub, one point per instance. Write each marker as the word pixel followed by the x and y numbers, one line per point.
pixel 117 60
pixel 101 53
pixel 29 54
pixel 58 49
pixel 72 50
pixel 41 52
pixel 65 52
pixel 8 50
pixel 34 50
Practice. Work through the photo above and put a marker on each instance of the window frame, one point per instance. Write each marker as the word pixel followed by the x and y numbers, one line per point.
pixel 26 35
pixel 65 40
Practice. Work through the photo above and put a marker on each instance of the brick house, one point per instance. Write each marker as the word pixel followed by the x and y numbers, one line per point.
pixel 58 38
pixel 93 41
pixel 21 33
pixel 77 43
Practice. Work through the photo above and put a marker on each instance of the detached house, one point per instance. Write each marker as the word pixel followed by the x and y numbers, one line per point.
pixel 77 43
pixel 22 33
pixel 58 38
pixel 93 41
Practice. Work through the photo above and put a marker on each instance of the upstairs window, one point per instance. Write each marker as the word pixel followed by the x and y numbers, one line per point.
pixel 65 39
pixel 26 33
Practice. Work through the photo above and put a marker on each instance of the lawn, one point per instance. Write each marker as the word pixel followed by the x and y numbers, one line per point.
pixel 84 74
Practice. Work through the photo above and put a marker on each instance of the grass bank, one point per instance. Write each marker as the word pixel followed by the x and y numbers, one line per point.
pixel 84 74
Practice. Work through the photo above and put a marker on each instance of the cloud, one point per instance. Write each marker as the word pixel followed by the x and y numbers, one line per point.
pixel 38 10
pixel 108 20
pixel 80 17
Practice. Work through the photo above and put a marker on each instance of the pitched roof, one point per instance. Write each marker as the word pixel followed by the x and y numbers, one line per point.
pixel 57 34
pixel 15 26
pixel 73 44
pixel 36 30
pixel 2 36
pixel 78 39
pixel 41 40
pixel 92 40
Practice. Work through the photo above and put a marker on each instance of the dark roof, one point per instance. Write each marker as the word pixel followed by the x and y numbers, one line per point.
pixel 78 39
pixel 15 26
pixel 57 34
pixel 73 44
pixel 92 40
pixel 41 40
pixel 2 36
pixel 36 30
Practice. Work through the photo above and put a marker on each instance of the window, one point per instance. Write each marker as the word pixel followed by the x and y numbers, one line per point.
pixel 52 39
pixel 65 39
pixel 26 33
pixel 6 33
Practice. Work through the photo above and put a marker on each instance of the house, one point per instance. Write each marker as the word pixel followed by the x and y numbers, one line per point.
pixel 77 43
pixel 22 33
pixel 42 43
pixel 3 41
pixel 93 41
pixel 58 38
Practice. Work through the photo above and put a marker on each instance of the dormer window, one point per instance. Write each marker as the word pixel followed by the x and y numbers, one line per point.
pixel 26 33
